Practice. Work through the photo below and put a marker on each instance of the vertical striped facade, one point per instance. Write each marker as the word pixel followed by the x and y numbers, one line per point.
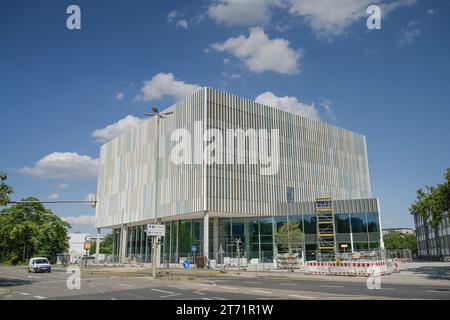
pixel 316 159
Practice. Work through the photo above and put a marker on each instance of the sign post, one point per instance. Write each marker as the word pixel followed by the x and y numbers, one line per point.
pixel 185 267
pixel 155 231
pixel 194 250
pixel 87 247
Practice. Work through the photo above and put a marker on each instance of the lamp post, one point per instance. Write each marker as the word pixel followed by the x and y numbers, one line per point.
pixel 159 116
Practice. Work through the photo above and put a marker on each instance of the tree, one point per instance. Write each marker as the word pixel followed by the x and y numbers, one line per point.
pixel 432 204
pixel 289 236
pixel 397 240
pixel 30 229
pixel 5 189
pixel 106 246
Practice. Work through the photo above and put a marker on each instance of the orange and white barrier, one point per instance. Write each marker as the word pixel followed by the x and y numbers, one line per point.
pixel 363 268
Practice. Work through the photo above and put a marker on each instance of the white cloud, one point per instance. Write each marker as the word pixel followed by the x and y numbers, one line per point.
pixel 63 165
pixel 408 36
pixel 113 130
pixel 431 12
pixel 62 185
pixel 330 18
pixel 259 53
pixel 165 84
pixel 182 24
pixel 244 13
pixel 120 96
pixel 172 15
pixel 90 197
pixel 226 60
pixel 290 104
pixel 82 220
pixel 53 196
pixel 327 105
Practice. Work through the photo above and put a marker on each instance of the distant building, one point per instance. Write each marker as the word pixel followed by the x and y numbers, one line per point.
pixel 76 245
pixel 401 230
pixel 428 245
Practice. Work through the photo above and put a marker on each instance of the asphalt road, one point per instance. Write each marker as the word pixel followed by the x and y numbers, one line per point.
pixel 17 284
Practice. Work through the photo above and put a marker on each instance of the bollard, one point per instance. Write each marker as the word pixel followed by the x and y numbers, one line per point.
pixel 396 264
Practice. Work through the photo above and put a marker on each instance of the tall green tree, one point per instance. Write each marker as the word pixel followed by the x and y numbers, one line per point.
pixel 432 204
pixel 5 189
pixel 289 236
pixel 30 229
pixel 397 240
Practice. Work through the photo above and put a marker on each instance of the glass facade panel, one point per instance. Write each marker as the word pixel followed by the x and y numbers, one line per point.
pixel 342 222
pixel 359 223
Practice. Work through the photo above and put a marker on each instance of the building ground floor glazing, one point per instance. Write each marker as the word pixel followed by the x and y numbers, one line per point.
pixel 258 237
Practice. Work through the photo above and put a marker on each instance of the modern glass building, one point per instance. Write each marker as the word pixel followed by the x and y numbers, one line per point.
pixel 245 169
pixel 432 242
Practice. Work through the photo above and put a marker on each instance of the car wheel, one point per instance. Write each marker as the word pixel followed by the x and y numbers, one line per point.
pixel 49 270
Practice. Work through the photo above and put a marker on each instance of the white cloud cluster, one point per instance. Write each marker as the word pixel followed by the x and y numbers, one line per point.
pixel 53 196
pixel 120 96
pixel 80 220
pixel 63 165
pixel 259 53
pixel 113 130
pixel 63 185
pixel 290 104
pixel 90 197
pixel 182 24
pixel 165 84
pixel 238 12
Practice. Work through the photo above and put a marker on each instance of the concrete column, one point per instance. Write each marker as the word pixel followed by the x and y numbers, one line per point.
pixel 123 249
pixel 97 247
pixel 206 235
pixel 216 238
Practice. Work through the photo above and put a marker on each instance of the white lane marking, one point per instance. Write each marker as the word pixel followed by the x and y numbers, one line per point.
pixel 260 291
pixel 219 298
pixel 299 296
pixel 39 297
pixel 257 282
pixel 113 298
pixel 171 295
pixel 199 292
pixel 36 277
pixel 437 291
pixel 125 285
pixel 163 291
pixel 206 299
pixel 25 293
pixel 288 284
pixel 230 288
pixel 329 286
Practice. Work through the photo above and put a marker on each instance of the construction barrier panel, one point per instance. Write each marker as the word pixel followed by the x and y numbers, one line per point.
pixel 361 269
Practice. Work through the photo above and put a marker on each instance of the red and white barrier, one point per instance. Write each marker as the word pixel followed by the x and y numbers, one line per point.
pixel 396 264
pixel 362 268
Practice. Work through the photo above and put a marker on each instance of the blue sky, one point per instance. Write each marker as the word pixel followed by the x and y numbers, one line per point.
pixel 58 86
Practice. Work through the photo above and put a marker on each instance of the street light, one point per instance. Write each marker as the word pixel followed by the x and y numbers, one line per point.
pixel 159 116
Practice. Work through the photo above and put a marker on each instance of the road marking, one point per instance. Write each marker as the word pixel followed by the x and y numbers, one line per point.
pixel 438 291
pixel 36 277
pixel 260 291
pixel 171 295
pixel 113 298
pixel 125 285
pixel 206 298
pixel 257 282
pixel 39 297
pixel 299 296
pixel 329 286
pixel 219 298
pixel 199 292
pixel 163 291
pixel 391 289
pixel 25 293
pixel 230 288
pixel 288 284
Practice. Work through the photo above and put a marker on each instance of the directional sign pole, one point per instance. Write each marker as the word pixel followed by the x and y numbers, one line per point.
pixel 154 257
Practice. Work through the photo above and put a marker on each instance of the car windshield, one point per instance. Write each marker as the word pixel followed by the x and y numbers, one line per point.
pixel 39 261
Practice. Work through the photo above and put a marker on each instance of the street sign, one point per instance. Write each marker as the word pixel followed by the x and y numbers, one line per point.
pixel 186 264
pixel 344 245
pixel 87 238
pixel 156 230
pixel 194 249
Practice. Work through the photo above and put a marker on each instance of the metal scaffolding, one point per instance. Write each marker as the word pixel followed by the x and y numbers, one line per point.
pixel 326 236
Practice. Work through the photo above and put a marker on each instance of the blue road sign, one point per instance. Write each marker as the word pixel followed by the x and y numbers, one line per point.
pixel 194 248
pixel 186 264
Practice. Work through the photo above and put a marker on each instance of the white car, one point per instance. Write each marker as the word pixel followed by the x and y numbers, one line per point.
pixel 39 264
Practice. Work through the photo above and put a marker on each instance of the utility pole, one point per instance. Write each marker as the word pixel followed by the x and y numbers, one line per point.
pixel 238 251
pixel 159 116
